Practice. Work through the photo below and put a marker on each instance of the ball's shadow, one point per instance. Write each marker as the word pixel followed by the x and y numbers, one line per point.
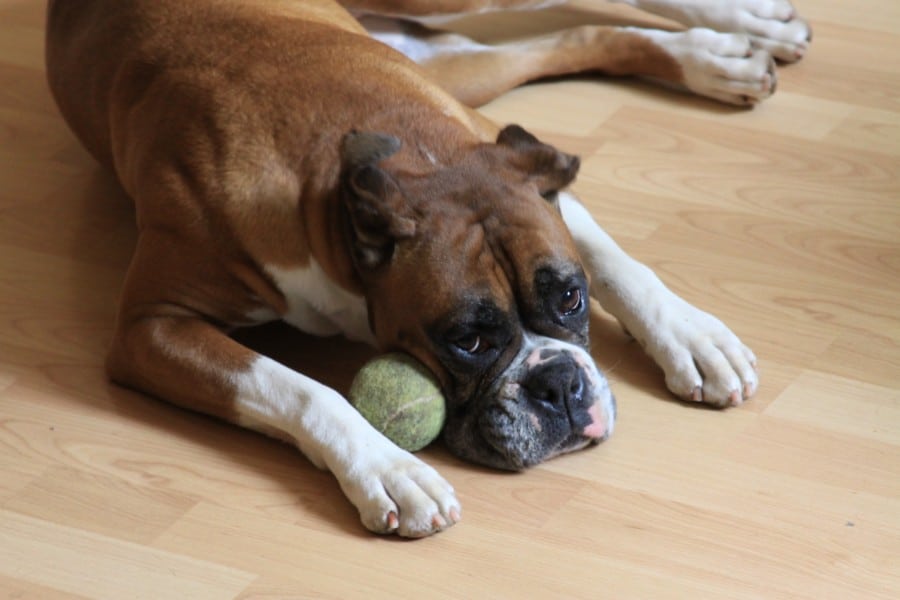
pixel 332 361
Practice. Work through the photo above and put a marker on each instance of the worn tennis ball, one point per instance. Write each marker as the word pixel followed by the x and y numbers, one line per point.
pixel 401 399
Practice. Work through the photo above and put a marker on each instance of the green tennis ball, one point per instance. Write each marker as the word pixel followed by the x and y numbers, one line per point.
pixel 401 399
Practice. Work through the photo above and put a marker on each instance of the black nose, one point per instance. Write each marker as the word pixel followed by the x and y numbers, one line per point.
pixel 557 382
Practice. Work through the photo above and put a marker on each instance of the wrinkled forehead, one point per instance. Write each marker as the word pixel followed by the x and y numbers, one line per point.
pixel 482 231
pixel 530 237
pixel 507 255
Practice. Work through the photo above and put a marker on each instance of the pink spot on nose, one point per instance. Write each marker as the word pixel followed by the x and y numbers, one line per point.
pixel 597 428
pixel 534 359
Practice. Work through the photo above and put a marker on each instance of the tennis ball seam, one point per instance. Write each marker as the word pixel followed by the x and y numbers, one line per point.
pixel 398 412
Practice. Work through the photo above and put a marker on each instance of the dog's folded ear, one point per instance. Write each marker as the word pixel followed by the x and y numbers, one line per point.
pixel 372 198
pixel 550 169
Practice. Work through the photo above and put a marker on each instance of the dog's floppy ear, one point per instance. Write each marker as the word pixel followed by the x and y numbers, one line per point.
pixel 550 169
pixel 372 198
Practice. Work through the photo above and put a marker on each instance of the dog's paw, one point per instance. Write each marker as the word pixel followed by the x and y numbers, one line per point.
pixel 787 42
pixel 702 359
pixel 773 25
pixel 727 67
pixel 723 66
pixel 395 492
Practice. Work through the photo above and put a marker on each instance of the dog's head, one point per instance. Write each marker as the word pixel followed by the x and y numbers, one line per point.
pixel 469 267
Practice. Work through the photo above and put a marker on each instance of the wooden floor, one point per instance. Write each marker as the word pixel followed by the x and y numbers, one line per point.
pixel 783 220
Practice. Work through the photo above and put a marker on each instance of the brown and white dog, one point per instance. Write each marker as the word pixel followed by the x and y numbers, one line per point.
pixel 285 164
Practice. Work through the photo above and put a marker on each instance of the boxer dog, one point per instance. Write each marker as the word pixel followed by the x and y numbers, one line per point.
pixel 286 164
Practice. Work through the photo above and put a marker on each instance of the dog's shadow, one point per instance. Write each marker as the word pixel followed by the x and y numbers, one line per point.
pixel 280 479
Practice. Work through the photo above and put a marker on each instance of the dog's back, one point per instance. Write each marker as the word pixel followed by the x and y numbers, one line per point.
pixel 113 51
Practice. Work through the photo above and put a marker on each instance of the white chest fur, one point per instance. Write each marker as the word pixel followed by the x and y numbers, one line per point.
pixel 318 306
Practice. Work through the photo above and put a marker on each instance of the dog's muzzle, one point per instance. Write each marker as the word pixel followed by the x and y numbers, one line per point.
pixel 551 400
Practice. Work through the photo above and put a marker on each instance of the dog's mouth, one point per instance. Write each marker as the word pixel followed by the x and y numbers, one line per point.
pixel 551 400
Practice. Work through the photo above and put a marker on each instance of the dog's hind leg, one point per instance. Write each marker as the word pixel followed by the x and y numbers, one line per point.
pixel 433 8
pixel 717 65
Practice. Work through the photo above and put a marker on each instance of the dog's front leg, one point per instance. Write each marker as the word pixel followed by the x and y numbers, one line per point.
pixel 702 359
pixel 188 361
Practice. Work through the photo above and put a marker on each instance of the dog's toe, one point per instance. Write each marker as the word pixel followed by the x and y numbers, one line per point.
pixel 786 41
pixel 726 66
pixel 398 493
pixel 702 359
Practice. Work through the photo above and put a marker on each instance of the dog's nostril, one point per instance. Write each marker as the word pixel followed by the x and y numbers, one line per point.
pixel 546 393
pixel 555 383
pixel 576 388
pixel 551 398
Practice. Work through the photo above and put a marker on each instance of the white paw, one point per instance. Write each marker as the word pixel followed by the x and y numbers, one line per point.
pixel 702 359
pixel 773 25
pixel 787 42
pixel 725 66
pixel 395 492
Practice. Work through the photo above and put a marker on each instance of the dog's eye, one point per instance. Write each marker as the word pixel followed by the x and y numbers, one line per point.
pixel 471 344
pixel 571 302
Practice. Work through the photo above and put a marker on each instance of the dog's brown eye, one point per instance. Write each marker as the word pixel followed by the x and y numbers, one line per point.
pixel 571 302
pixel 471 344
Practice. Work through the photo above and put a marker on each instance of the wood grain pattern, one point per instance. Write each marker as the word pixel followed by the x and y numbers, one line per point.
pixel 783 220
